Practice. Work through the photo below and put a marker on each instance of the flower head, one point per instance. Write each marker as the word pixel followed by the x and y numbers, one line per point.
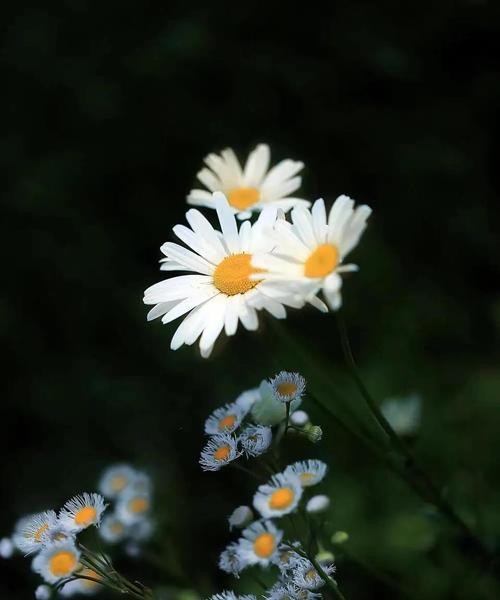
pixel 116 480
pixel 252 187
pixel 6 547
pixel 310 251
pixel 133 507
pixel 305 575
pixel 31 532
pixel 82 511
pixel 259 544
pixel 57 561
pixel 318 504
pixel 288 386
pixel 255 439
pixel 219 451
pixel 278 497
pixel 88 585
pixel 267 410
pixel 240 517
pixel 42 592
pixel 309 472
pixel 112 529
pixel 225 419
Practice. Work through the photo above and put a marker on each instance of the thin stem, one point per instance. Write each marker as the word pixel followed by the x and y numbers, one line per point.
pixel 287 418
pixel 330 582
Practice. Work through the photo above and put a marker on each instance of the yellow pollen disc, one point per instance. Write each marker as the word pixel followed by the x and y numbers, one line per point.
pixel 306 478
pixel 85 516
pixel 227 421
pixel 116 528
pixel 287 389
pixel 281 498
pixel 311 574
pixel 231 276
pixel 138 505
pixel 62 563
pixel 322 261
pixel 58 537
pixel 37 536
pixel 222 453
pixel 264 545
pixel 243 198
pixel 118 483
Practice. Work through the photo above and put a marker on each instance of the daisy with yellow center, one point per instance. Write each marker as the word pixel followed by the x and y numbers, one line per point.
pixel 309 472
pixel 279 497
pixel 220 450
pixel 252 187
pixel 259 544
pixel 33 532
pixel 116 480
pixel 221 292
pixel 112 529
pixel 255 439
pixel 225 419
pixel 310 251
pixel 57 561
pixel 288 386
pixel 133 507
pixel 306 577
pixel 82 511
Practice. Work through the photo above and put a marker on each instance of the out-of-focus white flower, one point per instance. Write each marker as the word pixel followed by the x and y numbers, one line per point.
pixel 286 559
pixel 278 497
pixel 240 517
pixel 86 587
pixel 318 504
pixel 310 251
pixel 266 410
pixel 42 592
pixel 255 439
pixel 219 451
pixel 288 386
pixel 55 562
pixel 30 533
pixel 133 507
pixel 116 480
pixel 252 187
pixel 299 418
pixel 6 547
pixel 259 543
pixel 112 529
pixel 305 575
pixel 404 414
pixel 225 419
pixel 221 292
pixel 82 511
pixel 309 472
pixel 248 398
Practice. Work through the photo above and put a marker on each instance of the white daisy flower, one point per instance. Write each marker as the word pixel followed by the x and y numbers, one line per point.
pixel 305 575
pixel 318 504
pixel 255 439
pixel 112 529
pixel 278 497
pixel 142 483
pixel 86 587
pixel 247 399
pixel 266 410
pixel 310 251
pixel 55 562
pixel 286 558
pixel 252 187
pixel 6 548
pixel 42 592
pixel 259 544
pixel 230 562
pixel 220 293
pixel 225 419
pixel 31 531
pixel 133 507
pixel 240 517
pixel 309 472
pixel 82 511
pixel 219 451
pixel 288 386
pixel 116 480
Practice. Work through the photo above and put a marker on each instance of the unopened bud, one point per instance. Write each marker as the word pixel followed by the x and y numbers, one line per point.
pixel 240 517
pixel 299 418
pixel 42 592
pixel 6 548
pixel 340 537
pixel 314 433
pixel 318 504
pixel 325 557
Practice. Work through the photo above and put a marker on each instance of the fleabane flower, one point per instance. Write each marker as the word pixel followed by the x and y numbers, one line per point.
pixel 230 562
pixel 221 293
pixel 267 410
pixel 259 544
pixel 82 511
pixel 57 561
pixel 288 386
pixel 278 497
pixel 252 187
pixel 225 419
pixel 229 595
pixel 309 472
pixel 133 507
pixel 31 532
pixel 116 480
pixel 255 439
pixel 88 585
pixel 112 529
pixel 310 251
pixel 305 575
pixel 219 451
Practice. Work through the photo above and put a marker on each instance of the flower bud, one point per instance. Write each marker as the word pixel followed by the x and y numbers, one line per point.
pixel 240 517
pixel 299 418
pixel 314 433
pixel 339 537
pixel 318 504
pixel 42 592
pixel 6 548
pixel 325 557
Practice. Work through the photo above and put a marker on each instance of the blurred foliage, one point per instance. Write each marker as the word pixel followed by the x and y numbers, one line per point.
pixel 108 110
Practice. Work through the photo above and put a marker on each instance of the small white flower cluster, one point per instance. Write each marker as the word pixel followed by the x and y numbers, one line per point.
pixel 261 542
pixel 130 491
pixel 52 538
pixel 244 427
pixel 267 265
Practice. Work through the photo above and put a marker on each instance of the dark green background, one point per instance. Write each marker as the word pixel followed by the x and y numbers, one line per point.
pixel 108 110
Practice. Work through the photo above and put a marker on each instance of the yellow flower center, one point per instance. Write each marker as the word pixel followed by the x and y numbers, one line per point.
pixel 37 536
pixel 232 275
pixel 281 498
pixel 138 505
pixel 322 261
pixel 60 536
pixel 227 421
pixel 311 574
pixel 222 453
pixel 85 516
pixel 118 483
pixel 286 389
pixel 116 528
pixel 306 478
pixel 243 197
pixel 263 545
pixel 62 563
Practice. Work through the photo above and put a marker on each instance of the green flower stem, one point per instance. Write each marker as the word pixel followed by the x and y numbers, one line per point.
pixel 330 582
pixel 287 418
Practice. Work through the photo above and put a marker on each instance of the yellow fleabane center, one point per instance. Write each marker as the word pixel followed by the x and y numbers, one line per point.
pixel 307 479
pixel 62 563
pixel 322 261
pixel 243 197
pixel 232 275
pixel 281 498
pixel 227 421
pixel 37 536
pixel 85 516
pixel 118 483
pixel 286 389
pixel 222 453
pixel 138 505
pixel 116 528
pixel 263 545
